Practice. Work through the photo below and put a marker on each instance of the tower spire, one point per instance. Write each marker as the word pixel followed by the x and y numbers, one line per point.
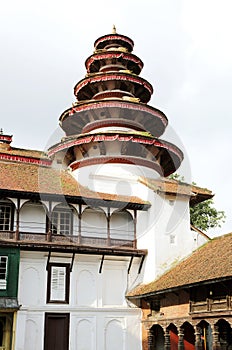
pixel 114 29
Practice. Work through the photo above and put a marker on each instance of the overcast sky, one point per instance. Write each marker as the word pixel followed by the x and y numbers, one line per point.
pixel 187 54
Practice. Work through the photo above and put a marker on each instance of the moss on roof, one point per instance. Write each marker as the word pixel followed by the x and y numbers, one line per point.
pixel 173 187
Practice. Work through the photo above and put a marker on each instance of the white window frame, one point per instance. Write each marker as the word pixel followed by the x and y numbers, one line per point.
pixel 6 215
pixel 62 221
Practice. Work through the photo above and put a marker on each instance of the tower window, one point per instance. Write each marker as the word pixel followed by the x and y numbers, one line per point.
pixel 172 239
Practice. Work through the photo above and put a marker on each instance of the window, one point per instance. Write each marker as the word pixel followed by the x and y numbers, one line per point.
pixel 62 220
pixel 58 283
pixel 6 216
pixel 3 272
pixel 172 239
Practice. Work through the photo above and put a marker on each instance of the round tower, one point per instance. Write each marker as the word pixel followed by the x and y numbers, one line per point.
pixel 111 126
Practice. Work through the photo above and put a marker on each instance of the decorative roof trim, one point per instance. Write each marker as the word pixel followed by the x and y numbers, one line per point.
pixel 114 37
pixel 119 104
pixel 15 158
pixel 5 138
pixel 122 138
pixel 113 76
pixel 106 55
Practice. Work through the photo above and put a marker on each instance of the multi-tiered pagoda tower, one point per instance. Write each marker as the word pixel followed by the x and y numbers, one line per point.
pixel 111 122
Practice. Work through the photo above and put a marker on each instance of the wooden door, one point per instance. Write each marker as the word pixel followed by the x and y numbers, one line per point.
pixel 56 331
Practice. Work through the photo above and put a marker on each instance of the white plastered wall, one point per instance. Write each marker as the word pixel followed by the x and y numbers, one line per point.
pixel 98 308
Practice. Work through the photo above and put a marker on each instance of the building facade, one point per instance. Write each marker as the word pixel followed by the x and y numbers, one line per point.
pixel 84 223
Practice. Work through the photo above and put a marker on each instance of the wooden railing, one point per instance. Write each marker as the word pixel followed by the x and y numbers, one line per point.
pixel 73 239
pixel 211 305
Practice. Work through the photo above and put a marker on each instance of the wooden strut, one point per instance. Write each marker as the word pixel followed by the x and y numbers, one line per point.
pixel 101 264
pixel 49 255
pixel 71 265
pixel 141 263
pixel 130 263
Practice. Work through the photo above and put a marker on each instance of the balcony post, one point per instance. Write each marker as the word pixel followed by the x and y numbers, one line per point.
pixel 17 220
pixel 49 234
pixel 108 226
pixel 135 229
pixel 79 223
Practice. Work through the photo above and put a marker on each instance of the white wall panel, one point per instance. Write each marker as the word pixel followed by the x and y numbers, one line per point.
pixel 86 292
pixel 85 337
pixel 30 286
pixel 114 284
pixel 114 335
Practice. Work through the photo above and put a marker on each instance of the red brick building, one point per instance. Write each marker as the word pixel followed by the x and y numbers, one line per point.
pixel 190 306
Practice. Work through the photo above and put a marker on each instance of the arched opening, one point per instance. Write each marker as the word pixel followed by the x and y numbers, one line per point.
pixel 189 336
pixel 173 334
pixel 158 336
pixel 121 227
pixel 225 334
pixel 205 335
pixel 32 218
pixel 93 226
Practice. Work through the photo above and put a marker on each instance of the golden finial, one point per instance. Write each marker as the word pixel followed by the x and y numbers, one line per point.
pixel 114 30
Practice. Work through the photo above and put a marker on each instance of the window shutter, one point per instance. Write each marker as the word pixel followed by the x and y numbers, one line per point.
pixel 58 285
pixel 3 272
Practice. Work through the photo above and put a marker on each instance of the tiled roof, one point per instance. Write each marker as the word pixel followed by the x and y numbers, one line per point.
pixel 24 152
pixel 173 187
pixel 210 262
pixel 38 179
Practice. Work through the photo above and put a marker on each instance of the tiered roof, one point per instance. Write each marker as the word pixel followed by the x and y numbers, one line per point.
pixel 112 99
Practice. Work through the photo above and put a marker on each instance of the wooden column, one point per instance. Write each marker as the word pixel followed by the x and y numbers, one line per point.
pixel 150 340
pixel 216 341
pixel 167 342
pixel 181 339
pixel 198 340
pixel 223 340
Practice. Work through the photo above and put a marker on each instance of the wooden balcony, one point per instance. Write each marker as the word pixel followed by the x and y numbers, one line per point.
pixel 211 305
pixel 97 241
